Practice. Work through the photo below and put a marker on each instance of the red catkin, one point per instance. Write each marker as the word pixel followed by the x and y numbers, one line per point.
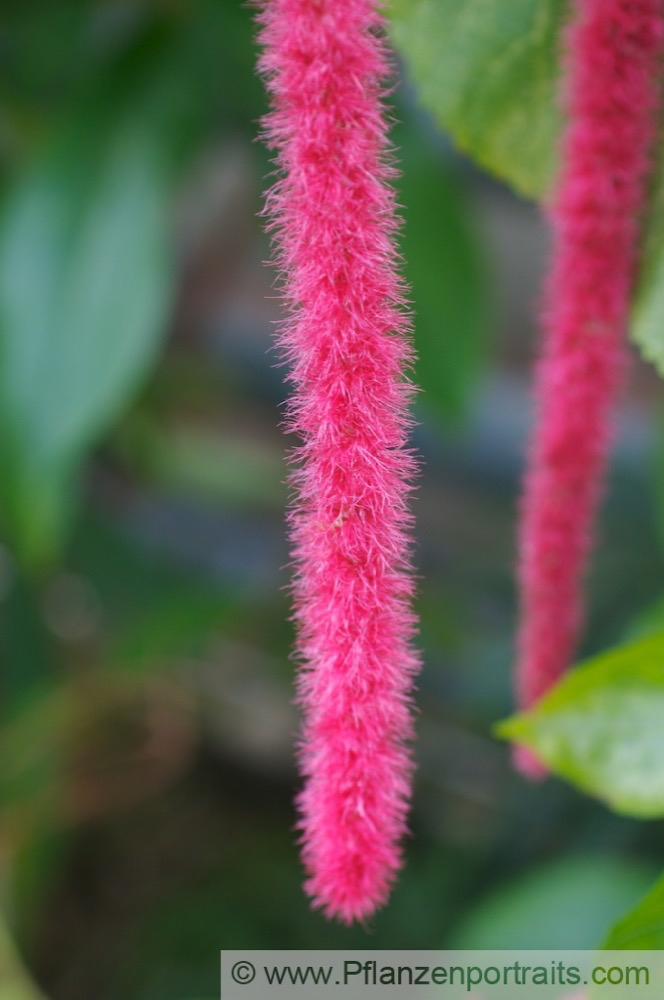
pixel 346 341
pixel 614 51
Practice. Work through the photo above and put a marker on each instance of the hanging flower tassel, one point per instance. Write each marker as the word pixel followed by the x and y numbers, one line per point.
pixel 346 342
pixel 614 54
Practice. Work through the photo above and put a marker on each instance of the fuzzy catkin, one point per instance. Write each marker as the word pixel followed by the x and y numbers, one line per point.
pixel 346 340
pixel 614 52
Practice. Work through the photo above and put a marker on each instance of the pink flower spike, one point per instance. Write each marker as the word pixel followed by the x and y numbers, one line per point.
pixel 614 59
pixel 346 341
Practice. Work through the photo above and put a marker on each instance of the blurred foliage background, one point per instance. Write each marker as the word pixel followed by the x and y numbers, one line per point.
pixel 146 722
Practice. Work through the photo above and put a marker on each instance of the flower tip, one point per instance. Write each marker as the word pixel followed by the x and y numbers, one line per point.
pixel 345 903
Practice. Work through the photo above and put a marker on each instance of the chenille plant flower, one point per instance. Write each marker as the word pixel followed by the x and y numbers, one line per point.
pixel 346 341
pixel 614 52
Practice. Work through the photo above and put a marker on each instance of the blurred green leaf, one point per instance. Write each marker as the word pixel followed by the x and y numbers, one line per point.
pixel 33 745
pixel 570 903
pixel 15 983
pixel 601 727
pixel 488 71
pixel 38 859
pixel 446 275
pixel 656 477
pixel 85 286
pixel 647 330
pixel 643 927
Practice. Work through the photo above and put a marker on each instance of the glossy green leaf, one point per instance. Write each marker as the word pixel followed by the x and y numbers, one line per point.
pixel 601 728
pixel 489 71
pixel 569 903
pixel 84 293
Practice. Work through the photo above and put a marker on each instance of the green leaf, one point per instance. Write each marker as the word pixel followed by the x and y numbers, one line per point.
pixel 445 272
pixel 568 903
pixel 15 983
pixel 601 728
pixel 84 294
pixel 487 70
pixel 648 306
pixel 643 927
